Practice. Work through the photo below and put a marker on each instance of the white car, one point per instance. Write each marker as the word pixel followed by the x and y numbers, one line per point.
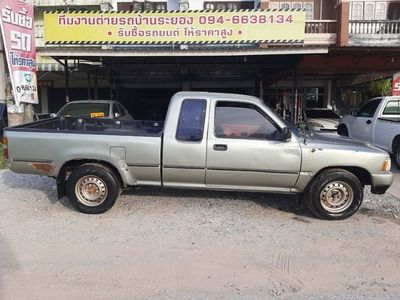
pixel 377 122
pixel 322 120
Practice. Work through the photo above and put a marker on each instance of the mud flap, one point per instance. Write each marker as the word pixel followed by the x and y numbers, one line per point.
pixel 61 191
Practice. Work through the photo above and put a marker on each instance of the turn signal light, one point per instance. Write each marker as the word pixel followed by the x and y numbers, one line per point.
pixel 5 147
pixel 386 165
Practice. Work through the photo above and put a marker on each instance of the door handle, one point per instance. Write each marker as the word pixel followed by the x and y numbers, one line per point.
pixel 220 147
pixel 368 122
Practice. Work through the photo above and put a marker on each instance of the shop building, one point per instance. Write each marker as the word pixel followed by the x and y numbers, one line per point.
pixel 345 44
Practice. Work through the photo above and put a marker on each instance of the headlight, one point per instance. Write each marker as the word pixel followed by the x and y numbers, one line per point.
pixel 386 165
pixel 315 124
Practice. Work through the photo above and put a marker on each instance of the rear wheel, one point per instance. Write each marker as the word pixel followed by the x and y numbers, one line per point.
pixel 92 189
pixel 334 194
pixel 342 130
pixel 396 156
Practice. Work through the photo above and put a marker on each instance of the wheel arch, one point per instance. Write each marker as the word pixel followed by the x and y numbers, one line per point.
pixel 343 125
pixel 362 174
pixel 71 165
pixel 395 143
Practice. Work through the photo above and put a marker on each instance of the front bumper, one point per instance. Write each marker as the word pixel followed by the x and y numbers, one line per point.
pixel 381 182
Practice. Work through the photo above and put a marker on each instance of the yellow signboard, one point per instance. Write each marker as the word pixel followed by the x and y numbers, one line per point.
pixel 170 27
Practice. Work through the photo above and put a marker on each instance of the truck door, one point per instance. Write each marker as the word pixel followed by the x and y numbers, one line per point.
pixel 361 126
pixel 245 150
pixel 184 146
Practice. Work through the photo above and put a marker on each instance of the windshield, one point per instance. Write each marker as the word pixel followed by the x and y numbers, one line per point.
pixel 321 114
pixel 89 110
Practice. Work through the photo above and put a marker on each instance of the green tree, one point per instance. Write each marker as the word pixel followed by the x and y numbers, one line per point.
pixel 382 87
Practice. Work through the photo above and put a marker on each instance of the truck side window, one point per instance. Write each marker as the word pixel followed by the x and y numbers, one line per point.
pixel 392 108
pixel 121 110
pixel 116 110
pixel 368 110
pixel 191 120
pixel 242 121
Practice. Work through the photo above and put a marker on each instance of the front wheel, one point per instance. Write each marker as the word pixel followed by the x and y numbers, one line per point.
pixel 92 189
pixel 334 194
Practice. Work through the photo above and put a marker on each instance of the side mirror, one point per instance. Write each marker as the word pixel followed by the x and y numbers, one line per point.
pixel 117 115
pixel 52 115
pixel 354 113
pixel 286 134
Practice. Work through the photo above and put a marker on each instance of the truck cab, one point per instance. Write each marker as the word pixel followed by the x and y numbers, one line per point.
pixel 206 138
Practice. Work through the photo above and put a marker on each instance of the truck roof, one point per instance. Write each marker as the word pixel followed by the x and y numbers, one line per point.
pixel 387 97
pixel 217 95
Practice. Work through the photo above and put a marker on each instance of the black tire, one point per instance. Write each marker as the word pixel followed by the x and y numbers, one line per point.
pixel 396 153
pixel 342 130
pixel 334 194
pixel 92 188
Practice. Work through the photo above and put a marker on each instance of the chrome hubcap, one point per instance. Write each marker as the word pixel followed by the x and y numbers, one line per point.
pixel 91 190
pixel 336 196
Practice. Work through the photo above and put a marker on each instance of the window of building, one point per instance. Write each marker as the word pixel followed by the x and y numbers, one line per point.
pixel 284 5
pixel 149 5
pixel 357 11
pixel 228 5
pixel 146 5
pixel 380 10
pixel 232 5
pixel 242 121
pixel 221 6
pixel 297 5
pixel 209 6
pixel 394 11
pixel 191 121
pixel 161 6
pixel 309 8
pixel 369 10
pixel 136 6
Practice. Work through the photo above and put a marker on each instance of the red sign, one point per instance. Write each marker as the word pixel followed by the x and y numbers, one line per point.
pixel 16 23
pixel 396 85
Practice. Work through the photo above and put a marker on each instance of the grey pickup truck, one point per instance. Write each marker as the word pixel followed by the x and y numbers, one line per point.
pixel 209 141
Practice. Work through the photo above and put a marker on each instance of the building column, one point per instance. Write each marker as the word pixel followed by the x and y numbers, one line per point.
pixel 44 99
pixel 343 23
pixel 3 77
pixel 66 74
pixel 264 4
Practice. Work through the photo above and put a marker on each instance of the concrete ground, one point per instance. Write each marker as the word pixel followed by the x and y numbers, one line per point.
pixel 169 244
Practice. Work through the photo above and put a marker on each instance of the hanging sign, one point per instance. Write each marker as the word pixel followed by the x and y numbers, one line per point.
pixel 16 23
pixel 175 27
pixel 396 85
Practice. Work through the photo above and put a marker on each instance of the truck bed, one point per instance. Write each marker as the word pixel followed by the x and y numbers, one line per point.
pixel 133 147
pixel 93 126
